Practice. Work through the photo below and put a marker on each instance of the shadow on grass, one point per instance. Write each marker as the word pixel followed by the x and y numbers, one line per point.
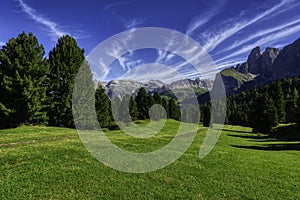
pixel 272 147
pixel 252 136
pixel 288 138
pixel 236 131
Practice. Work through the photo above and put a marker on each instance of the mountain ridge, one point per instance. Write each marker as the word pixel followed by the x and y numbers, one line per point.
pixel 262 68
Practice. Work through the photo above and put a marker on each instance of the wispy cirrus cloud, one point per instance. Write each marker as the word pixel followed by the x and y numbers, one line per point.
pixel 2 43
pixel 54 29
pixel 115 4
pixel 204 18
pixel 132 23
pixel 266 40
pixel 262 33
pixel 216 37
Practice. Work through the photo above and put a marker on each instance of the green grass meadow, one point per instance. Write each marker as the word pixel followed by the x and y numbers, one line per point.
pixel 52 163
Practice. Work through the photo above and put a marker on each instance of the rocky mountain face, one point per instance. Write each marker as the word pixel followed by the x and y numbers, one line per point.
pixel 287 63
pixel 259 63
pixel 119 88
pixel 262 68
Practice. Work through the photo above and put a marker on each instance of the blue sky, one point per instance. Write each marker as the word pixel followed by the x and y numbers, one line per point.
pixel 226 29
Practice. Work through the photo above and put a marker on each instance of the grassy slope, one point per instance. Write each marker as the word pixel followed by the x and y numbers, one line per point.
pixel 241 166
pixel 236 74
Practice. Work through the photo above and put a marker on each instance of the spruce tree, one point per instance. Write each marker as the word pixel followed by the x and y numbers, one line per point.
pixel 277 95
pixel 173 110
pixel 157 98
pixel 23 81
pixel 64 59
pixel 264 114
pixel 157 112
pixel 103 107
pixel 115 105
pixel 133 109
pixel 164 104
pixel 142 104
pixel 206 115
pixel 83 100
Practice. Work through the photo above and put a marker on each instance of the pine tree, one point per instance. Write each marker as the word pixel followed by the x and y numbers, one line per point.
pixel 142 104
pixel 264 114
pixel 115 105
pixel 133 109
pixel 277 95
pixel 23 70
pixel 157 98
pixel 65 59
pixel 103 107
pixel 164 104
pixel 206 115
pixel 157 112
pixel 173 110
pixel 83 99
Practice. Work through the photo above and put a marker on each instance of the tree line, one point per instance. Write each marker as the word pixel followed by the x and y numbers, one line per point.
pixel 263 107
pixel 38 90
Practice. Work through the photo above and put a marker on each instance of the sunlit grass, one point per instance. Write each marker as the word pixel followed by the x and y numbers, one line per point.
pixel 241 166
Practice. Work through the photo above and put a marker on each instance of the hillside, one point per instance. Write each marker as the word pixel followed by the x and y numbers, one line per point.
pixel 262 68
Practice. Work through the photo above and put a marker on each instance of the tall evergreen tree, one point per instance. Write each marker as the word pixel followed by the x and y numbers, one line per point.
pixel 164 104
pixel 157 98
pixel 103 107
pixel 83 99
pixel 173 111
pixel 124 110
pixel 115 105
pixel 277 95
pixel 157 112
pixel 206 115
pixel 23 70
pixel 65 59
pixel 264 114
pixel 133 109
pixel 142 104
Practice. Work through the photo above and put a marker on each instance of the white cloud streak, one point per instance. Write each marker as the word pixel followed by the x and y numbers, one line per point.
pixel 202 19
pixel 54 30
pixel 115 4
pixel 2 43
pixel 214 39
pixel 267 40
pixel 133 23
pixel 261 34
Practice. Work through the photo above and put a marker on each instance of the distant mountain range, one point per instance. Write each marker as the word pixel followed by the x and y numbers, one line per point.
pixel 119 88
pixel 261 68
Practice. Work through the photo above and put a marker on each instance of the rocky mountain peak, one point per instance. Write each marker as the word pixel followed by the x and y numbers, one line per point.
pixel 287 63
pixel 254 61
pixel 267 59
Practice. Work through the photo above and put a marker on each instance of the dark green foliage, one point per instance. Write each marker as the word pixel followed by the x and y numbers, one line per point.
pixel 206 114
pixel 157 110
pixel 157 98
pixel 23 82
pixel 115 105
pixel 133 109
pixel 173 111
pixel 64 59
pixel 124 110
pixel 83 100
pixel 276 93
pixel 164 104
pixel 284 94
pixel 191 114
pixel 103 107
pixel 264 114
pixel 142 102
